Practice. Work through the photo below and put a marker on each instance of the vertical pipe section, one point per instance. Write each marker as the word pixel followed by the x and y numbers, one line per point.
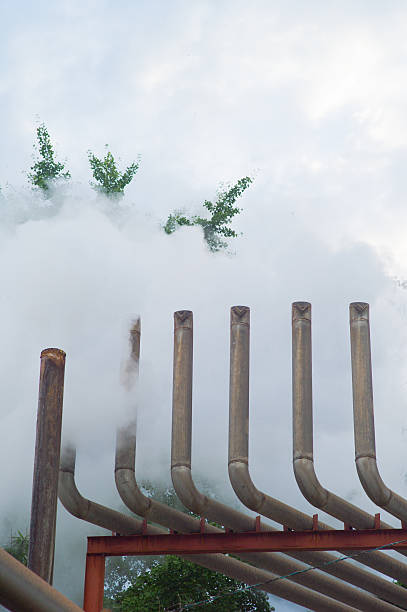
pixel 303 463
pixel 239 385
pixel 363 416
pixel 182 390
pixel 46 463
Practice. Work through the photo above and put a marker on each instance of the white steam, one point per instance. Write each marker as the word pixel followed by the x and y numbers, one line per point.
pixel 75 274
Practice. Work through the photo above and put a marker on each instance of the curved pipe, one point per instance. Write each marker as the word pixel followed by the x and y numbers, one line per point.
pixel 110 519
pixel 193 499
pixel 303 459
pixel 88 510
pixel 125 460
pixel 139 503
pixel 363 415
pixel 272 508
pixel 303 462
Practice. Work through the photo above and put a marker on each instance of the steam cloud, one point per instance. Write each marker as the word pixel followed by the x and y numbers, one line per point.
pixel 313 103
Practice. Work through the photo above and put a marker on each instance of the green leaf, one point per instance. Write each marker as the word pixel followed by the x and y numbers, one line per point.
pixel 216 227
pixel 45 170
pixel 108 179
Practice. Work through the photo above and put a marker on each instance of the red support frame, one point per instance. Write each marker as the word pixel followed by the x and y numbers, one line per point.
pixel 228 542
pixel 94 582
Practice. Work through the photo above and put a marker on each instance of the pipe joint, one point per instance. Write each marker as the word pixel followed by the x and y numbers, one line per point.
pixel 130 493
pixel 308 482
pixel 243 485
pixel 372 482
pixel 186 490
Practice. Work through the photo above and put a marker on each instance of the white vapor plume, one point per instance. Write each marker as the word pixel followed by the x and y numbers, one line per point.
pixel 307 97
pixel 75 274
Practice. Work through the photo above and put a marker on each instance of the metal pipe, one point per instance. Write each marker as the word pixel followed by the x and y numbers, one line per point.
pixel 115 521
pixel 363 416
pixel 21 589
pixel 160 513
pixel 303 463
pixel 261 502
pixel 46 463
pixel 216 511
pixel 85 509
pixel 303 460
pixel 125 460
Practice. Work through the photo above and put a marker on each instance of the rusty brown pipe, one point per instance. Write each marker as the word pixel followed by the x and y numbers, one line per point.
pixel 303 463
pixel 125 459
pixel 303 460
pixel 261 502
pixel 46 463
pixel 160 513
pixel 216 511
pixel 363 416
pixel 21 589
pixel 87 510
pixel 112 520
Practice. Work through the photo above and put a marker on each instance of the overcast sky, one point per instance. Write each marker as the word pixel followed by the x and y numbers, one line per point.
pixel 309 99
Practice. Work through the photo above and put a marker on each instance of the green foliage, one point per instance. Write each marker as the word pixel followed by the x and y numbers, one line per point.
pixel 121 572
pixel 18 547
pixel 217 226
pixel 109 180
pixel 146 583
pixel 175 583
pixel 46 169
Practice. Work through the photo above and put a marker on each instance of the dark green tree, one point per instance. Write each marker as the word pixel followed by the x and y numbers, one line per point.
pixel 176 584
pixel 216 227
pixel 108 179
pixel 18 547
pixel 46 170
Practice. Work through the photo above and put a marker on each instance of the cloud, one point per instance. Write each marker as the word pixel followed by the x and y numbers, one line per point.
pixel 312 102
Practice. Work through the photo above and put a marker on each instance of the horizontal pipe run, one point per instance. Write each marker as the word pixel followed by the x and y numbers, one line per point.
pixel 21 589
pixel 277 541
pixel 162 514
pixel 114 521
pixel 202 505
pixel 273 508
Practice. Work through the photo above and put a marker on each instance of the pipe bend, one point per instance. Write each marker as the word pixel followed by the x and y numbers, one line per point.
pixel 70 497
pixel 68 492
pixel 308 482
pixel 130 493
pixel 244 487
pixel 186 490
pixel 85 509
pixel 372 482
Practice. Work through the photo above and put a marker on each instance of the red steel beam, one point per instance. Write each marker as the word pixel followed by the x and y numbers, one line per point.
pixel 253 541
pixel 94 582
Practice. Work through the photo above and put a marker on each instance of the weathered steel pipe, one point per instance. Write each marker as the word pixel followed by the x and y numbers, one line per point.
pixel 216 511
pixel 160 513
pixel 46 463
pixel 115 521
pixel 303 462
pixel 85 509
pixel 261 502
pixel 303 459
pixel 363 416
pixel 125 460
pixel 21 589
